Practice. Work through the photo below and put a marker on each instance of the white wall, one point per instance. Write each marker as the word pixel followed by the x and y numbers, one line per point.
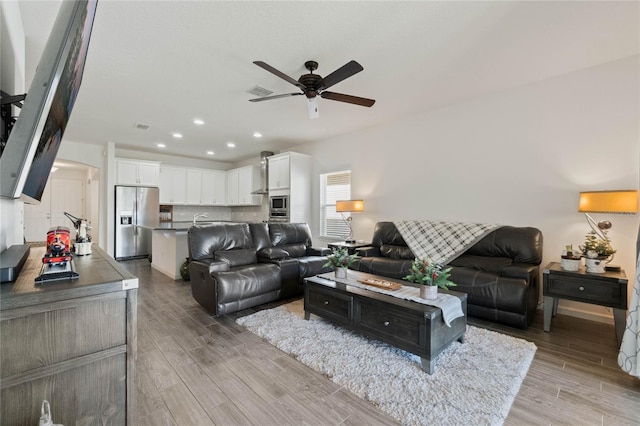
pixel 518 157
pixel 12 64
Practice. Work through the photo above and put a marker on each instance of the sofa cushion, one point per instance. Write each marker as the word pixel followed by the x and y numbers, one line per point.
pixel 396 252
pixel 387 267
pixel 490 290
pixel 205 240
pixel 482 263
pixel 313 265
pixel 238 257
pixel 247 281
pixel 522 244
pixel 260 235
pixel 386 233
pixel 289 233
pixel 294 250
pixel 273 253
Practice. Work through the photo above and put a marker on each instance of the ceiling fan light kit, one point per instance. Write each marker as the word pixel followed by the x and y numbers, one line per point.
pixel 313 85
pixel 312 107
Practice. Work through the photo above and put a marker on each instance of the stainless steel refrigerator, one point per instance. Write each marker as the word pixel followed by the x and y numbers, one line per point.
pixel 137 213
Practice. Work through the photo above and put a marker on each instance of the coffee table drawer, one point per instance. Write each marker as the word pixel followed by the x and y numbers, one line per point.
pixel 602 293
pixel 331 305
pixel 399 327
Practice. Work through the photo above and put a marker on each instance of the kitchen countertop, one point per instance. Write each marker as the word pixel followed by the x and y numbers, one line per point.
pixel 184 225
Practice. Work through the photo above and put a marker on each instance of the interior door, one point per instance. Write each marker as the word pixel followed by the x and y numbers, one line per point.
pixel 67 195
pixel 37 217
pixel 59 196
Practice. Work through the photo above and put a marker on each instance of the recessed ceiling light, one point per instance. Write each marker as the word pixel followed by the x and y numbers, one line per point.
pixel 177 135
pixel 210 152
pixel 257 134
pixel 198 121
pixel 160 145
pixel 231 144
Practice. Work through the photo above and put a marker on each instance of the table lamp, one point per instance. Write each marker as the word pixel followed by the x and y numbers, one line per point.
pixel 349 206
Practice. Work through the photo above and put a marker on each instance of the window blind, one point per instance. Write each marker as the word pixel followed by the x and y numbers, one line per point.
pixel 334 186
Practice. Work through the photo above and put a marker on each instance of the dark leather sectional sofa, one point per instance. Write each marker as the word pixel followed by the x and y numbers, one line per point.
pixel 235 266
pixel 500 273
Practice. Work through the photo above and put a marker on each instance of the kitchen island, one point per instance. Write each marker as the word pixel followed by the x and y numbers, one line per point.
pixel 169 246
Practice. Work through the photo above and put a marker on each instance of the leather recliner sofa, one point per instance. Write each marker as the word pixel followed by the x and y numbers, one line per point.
pixel 234 266
pixel 500 273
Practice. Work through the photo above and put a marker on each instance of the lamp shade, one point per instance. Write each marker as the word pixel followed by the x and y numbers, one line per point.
pixel 343 206
pixel 609 202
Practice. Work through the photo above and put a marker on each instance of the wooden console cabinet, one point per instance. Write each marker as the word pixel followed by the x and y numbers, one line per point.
pixel 71 342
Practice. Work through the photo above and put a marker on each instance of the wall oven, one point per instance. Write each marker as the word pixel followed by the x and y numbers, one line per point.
pixel 279 208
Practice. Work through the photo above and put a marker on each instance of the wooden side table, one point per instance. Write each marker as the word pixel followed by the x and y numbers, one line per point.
pixel 351 247
pixel 606 289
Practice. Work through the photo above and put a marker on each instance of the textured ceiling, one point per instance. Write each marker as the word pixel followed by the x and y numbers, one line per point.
pixel 163 63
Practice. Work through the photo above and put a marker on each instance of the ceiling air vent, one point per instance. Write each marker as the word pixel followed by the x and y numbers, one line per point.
pixel 260 92
pixel 141 126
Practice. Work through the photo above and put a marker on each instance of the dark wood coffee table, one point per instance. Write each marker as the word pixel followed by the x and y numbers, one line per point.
pixel 405 324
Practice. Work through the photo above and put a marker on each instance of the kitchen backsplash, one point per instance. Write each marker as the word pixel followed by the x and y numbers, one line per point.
pixel 251 213
pixel 236 214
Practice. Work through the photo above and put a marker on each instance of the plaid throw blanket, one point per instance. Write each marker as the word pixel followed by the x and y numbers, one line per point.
pixel 441 241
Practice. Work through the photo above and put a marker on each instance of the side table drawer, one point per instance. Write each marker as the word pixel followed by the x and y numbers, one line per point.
pixel 331 305
pixel 601 293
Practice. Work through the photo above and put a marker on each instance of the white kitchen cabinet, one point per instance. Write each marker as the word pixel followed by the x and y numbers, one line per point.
pixel 173 185
pixel 241 183
pixel 279 171
pixel 213 188
pixel 194 187
pixel 297 168
pixel 232 187
pixel 136 172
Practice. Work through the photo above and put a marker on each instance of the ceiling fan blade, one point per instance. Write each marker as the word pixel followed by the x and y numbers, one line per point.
pixel 346 71
pixel 348 99
pixel 268 98
pixel 280 74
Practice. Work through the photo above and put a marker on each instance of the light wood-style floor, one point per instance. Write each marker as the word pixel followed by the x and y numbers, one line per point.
pixel 195 369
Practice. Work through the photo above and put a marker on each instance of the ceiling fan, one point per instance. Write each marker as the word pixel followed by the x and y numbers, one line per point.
pixel 312 85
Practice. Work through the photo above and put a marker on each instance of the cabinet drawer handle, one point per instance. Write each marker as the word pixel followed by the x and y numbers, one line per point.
pixel 326 303
pixel 386 323
pixel 581 288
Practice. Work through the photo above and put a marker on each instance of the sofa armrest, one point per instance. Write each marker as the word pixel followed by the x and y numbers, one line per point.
pixel 368 251
pixel 525 271
pixel 272 253
pixel 203 284
pixel 318 251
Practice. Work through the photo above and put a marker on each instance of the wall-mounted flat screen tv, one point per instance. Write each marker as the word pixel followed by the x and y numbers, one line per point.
pixel 32 145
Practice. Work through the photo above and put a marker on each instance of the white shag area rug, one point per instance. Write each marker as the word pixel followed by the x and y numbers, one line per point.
pixel 473 382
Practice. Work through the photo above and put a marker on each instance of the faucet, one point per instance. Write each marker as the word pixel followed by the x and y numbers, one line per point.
pixel 197 215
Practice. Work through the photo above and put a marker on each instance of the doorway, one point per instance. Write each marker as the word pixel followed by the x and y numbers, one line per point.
pixel 71 189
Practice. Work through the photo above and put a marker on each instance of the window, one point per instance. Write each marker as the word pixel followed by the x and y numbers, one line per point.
pixel 334 186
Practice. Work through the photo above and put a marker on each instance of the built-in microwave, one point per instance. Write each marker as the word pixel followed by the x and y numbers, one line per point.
pixel 279 208
pixel 279 202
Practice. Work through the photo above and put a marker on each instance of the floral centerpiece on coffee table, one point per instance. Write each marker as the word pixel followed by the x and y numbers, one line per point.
pixel 340 260
pixel 430 275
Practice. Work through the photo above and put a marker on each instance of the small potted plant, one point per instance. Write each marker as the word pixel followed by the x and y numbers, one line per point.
pixel 570 259
pixel 340 260
pixel 430 275
pixel 596 251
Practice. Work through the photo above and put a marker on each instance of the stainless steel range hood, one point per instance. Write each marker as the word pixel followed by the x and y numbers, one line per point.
pixel 264 174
